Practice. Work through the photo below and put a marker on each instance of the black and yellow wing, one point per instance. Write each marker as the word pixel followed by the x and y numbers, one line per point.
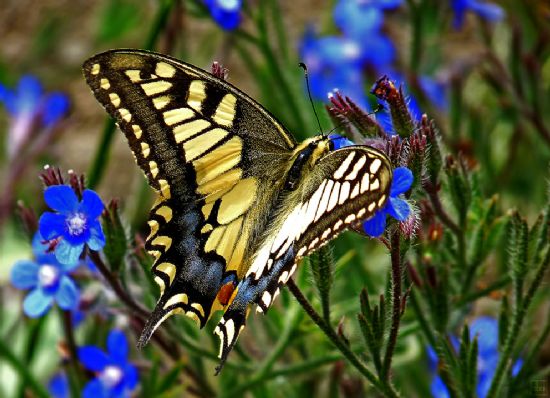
pixel 344 188
pixel 204 147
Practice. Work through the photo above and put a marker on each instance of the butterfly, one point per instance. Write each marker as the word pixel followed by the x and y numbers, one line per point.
pixel 239 202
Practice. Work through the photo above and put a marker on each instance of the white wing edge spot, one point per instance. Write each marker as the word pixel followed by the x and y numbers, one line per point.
pixel 339 173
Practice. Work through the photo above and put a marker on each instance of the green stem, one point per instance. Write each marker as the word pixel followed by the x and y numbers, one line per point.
pixel 101 157
pixel 513 334
pixel 196 349
pixel 23 370
pixel 383 388
pixel 416 43
pixel 291 371
pixel 396 304
pixel 68 329
pixel 422 321
pixel 292 320
pixel 501 283
pixel 116 286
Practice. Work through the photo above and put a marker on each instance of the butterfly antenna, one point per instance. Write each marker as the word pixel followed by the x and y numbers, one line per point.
pixel 304 67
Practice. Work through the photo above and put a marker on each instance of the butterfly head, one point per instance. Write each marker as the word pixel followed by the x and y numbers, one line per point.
pixel 305 156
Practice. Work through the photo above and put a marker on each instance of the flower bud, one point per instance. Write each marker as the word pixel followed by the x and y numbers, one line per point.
pixel 402 121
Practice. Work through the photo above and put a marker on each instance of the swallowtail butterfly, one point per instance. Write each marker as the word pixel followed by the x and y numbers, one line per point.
pixel 239 201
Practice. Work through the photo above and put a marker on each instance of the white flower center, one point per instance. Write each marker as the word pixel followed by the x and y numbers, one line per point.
pixel 48 275
pixel 111 376
pixel 76 223
pixel 351 50
pixel 229 5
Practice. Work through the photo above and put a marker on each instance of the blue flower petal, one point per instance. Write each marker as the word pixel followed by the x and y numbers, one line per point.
pixel 37 303
pixel 414 108
pixel 438 388
pixel 398 209
pixel 459 8
pixel 61 198
pixel 93 358
pixel 488 11
pixel 56 105
pixel 379 51
pixel 29 92
pixel 97 238
pixel 91 204
pixel 52 225
pixel 67 253
pixel 376 225
pixel 432 358
pixel 95 389
pixel 70 267
pixel 59 386
pixel 436 91
pixel 131 376
pixel 24 274
pixel 384 120
pixel 356 19
pixel 8 98
pixel 117 346
pixel 486 371
pixel 67 294
pixel 517 367
pixel 339 141
pixel 387 4
pixel 226 13
pixel 486 330
pixel 402 181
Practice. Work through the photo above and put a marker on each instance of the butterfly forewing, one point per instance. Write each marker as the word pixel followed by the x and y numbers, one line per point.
pixel 203 146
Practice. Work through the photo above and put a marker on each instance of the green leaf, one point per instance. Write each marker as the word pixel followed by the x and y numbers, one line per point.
pixel 322 268
pixel 23 370
pixel 115 237
pixel 119 18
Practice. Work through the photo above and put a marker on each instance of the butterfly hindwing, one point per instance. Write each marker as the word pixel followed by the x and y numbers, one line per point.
pixel 345 188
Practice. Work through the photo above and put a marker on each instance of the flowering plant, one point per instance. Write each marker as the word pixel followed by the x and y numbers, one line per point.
pixel 439 293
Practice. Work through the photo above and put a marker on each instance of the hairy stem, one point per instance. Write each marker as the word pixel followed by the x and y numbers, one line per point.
pixel 513 333
pixel 116 286
pixel 396 304
pixel 382 387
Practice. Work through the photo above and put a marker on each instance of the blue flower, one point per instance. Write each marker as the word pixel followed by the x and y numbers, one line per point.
pixel 488 11
pixel 226 13
pixel 334 63
pixel 48 280
pixel 362 21
pixel 356 18
pixel 359 17
pixel 339 141
pixel 395 206
pixel 116 377
pixel 59 386
pixel 28 105
pixel 486 331
pixel 75 223
pixel 435 91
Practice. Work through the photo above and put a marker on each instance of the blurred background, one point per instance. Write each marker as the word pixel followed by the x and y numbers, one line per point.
pixel 479 69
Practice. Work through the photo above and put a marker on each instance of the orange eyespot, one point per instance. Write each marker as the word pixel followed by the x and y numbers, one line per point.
pixel 225 292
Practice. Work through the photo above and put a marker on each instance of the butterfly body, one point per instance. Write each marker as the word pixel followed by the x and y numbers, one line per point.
pixel 239 202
